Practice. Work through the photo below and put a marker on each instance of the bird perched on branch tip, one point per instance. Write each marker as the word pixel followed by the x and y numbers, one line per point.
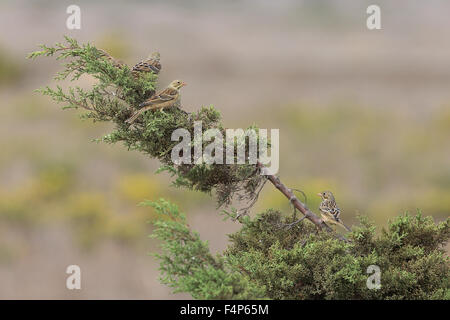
pixel 151 64
pixel 329 210
pixel 165 99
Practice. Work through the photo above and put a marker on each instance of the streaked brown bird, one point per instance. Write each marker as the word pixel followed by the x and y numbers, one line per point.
pixel 329 210
pixel 151 64
pixel 164 99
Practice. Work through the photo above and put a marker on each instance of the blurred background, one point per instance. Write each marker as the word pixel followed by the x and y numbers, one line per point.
pixel 363 113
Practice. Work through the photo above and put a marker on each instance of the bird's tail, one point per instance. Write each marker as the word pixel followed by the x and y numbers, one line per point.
pixel 344 226
pixel 144 104
pixel 336 221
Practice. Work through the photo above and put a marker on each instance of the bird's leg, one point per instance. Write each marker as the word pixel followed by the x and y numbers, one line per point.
pixel 344 226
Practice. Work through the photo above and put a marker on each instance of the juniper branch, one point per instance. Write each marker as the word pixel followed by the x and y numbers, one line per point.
pixel 151 134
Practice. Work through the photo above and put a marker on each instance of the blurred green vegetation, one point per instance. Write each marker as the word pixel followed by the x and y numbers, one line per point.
pixel 53 195
pixel 10 69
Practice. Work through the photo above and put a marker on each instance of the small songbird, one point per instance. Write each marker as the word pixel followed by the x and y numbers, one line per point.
pixel 151 64
pixel 115 62
pixel 329 210
pixel 164 99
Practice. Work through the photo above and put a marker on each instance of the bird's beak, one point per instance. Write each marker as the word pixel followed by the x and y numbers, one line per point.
pixel 184 84
pixel 319 194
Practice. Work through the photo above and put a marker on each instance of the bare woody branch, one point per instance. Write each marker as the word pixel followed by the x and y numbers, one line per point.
pixel 308 214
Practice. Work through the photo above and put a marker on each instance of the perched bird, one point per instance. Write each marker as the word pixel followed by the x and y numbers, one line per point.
pixel 115 62
pixel 164 99
pixel 151 64
pixel 329 210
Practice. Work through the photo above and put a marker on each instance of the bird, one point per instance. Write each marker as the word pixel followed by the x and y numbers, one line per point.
pixel 151 64
pixel 164 99
pixel 115 62
pixel 329 210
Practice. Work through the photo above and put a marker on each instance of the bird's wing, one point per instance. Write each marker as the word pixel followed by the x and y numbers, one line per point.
pixel 331 219
pixel 336 212
pixel 330 210
pixel 166 95
pixel 147 66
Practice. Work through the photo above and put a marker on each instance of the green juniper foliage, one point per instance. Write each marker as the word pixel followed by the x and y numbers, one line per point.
pixel 187 264
pixel 116 96
pixel 302 264
pixel 267 260
pixel 264 260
